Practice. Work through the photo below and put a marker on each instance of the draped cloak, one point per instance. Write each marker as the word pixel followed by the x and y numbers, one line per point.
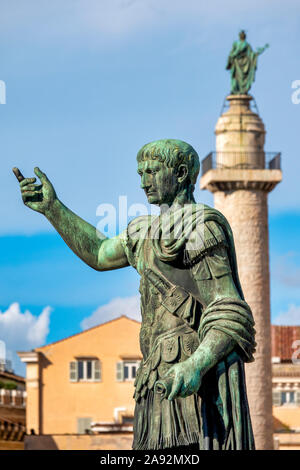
pixel 242 63
pixel 217 416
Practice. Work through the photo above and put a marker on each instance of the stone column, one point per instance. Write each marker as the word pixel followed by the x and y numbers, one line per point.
pixel 33 389
pixel 240 184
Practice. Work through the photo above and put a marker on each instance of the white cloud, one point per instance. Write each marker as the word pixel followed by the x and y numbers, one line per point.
pixel 129 306
pixel 23 331
pixel 289 318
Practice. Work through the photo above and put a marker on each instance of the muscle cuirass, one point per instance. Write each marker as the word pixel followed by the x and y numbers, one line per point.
pixel 167 335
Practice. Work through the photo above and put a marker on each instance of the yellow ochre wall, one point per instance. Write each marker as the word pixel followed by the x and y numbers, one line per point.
pixel 62 401
pixel 289 417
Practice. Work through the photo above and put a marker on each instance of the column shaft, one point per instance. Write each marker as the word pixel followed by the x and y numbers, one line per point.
pixel 247 213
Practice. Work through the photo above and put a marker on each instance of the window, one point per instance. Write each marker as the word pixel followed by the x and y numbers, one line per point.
pixel 126 370
pixel 287 397
pixel 130 369
pixel 85 370
pixel 127 420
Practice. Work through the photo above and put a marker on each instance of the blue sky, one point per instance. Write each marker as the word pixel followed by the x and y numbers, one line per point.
pixel 88 83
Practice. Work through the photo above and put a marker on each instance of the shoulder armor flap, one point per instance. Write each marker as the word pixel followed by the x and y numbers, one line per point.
pixel 206 236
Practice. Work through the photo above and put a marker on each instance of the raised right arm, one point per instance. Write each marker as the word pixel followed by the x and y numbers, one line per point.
pixel 85 241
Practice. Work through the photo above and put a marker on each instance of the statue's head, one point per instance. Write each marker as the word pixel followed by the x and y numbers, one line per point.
pixel 167 167
pixel 242 35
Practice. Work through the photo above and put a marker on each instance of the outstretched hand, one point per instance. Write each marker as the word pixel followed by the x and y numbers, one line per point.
pixel 38 197
pixel 187 378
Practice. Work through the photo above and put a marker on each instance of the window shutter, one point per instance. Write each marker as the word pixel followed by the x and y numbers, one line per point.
pixel 97 371
pixel 276 398
pixel 297 397
pixel 120 372
pixel 73 371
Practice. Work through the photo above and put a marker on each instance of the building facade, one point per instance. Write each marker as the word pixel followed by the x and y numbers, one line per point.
pixel 286 385
pixel 84 384
pixel 12 409
pixel 79 389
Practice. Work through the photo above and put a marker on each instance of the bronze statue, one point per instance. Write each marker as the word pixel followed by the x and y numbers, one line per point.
pixel 242 63
pixel 197 330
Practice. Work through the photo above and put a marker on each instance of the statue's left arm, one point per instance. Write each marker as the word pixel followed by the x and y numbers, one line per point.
pixel 214 281
pixel 215 346
pixel 260 50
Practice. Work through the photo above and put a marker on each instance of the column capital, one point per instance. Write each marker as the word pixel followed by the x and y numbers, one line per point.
pixel 235 179
pixel 29 356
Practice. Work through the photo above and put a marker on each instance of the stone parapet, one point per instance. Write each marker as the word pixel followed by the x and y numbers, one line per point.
pixel 287 441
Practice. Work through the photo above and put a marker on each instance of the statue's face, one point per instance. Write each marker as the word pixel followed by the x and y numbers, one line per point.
pixel 159 182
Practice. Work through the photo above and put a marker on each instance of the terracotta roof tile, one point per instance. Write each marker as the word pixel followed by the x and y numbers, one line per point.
pixel 282 341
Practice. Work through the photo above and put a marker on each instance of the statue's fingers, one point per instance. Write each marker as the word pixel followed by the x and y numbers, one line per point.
pixel 185 391
pixel 31 187
pixel 175 388
pixel 18 174
pixel 30 193
pixel 40 174
pixel 27 181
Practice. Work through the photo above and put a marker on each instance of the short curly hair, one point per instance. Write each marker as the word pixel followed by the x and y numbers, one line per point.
pixel 173 153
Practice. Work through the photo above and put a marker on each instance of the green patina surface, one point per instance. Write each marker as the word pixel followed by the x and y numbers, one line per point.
pixel 242 63
pixel 197 330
